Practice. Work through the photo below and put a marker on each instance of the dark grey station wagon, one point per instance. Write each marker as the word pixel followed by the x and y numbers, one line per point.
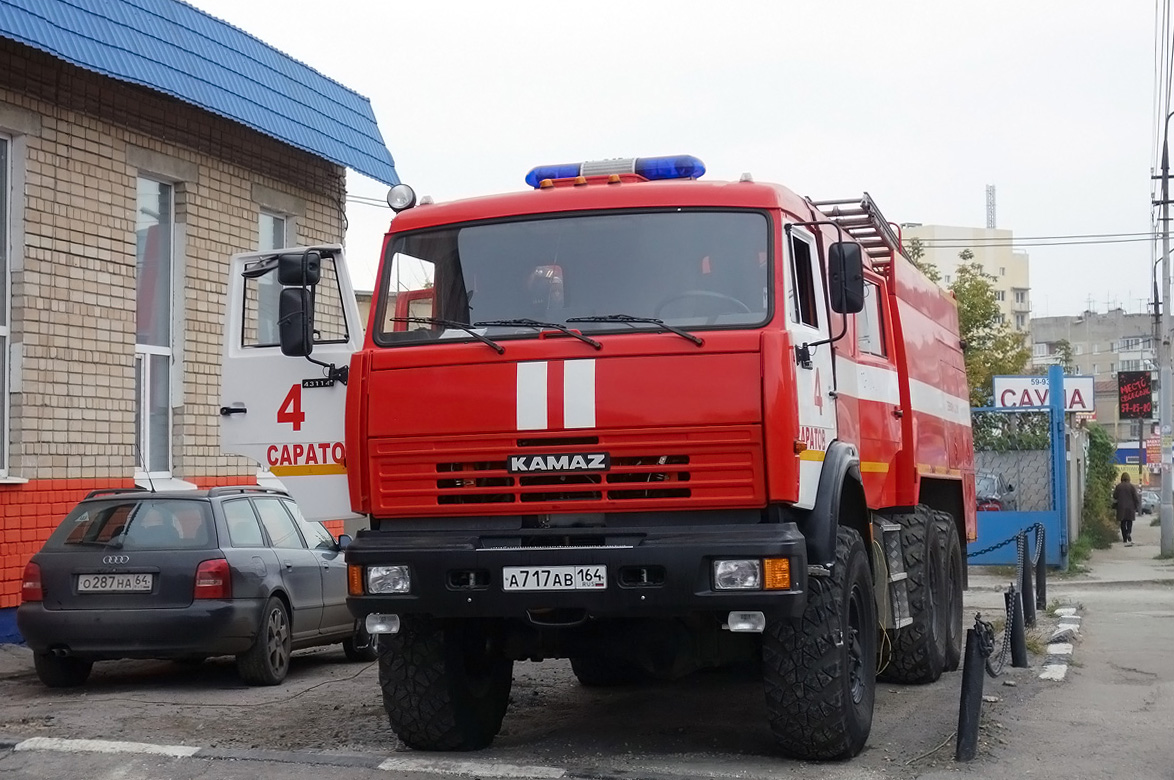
pixel 184 576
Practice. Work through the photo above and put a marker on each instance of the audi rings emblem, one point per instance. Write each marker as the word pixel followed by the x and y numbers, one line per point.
pixel 110 560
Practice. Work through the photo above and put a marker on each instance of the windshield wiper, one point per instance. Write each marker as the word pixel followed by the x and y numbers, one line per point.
pixel 498 348
pixel 526 322
pixel 629 319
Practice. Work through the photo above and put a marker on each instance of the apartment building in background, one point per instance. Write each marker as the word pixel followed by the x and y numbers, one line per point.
pixel 142 143
pixel 1102 345
pixel 992 248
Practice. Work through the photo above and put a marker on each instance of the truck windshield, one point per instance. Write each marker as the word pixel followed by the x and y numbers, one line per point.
pixel 691 269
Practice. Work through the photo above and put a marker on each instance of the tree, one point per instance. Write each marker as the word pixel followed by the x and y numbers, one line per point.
pixel 915 250
pixel 991 346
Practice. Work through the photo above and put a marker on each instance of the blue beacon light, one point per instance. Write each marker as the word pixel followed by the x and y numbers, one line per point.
pixel 683 166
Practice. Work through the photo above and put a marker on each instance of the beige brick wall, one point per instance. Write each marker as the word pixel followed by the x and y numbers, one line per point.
pixel 80 141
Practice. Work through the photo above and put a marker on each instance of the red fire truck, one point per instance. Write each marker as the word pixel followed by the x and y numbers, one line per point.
pixel 631 418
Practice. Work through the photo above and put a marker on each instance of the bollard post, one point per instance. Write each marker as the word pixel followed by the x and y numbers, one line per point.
pixel 1041 571
pixel 1025 587
pixel 970 705
pixel 1018 633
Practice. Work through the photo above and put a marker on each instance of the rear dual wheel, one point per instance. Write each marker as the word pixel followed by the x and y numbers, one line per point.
pixel 919 651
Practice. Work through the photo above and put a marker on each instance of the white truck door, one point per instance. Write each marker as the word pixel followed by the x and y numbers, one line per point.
pixel 807 319
pixel 287 413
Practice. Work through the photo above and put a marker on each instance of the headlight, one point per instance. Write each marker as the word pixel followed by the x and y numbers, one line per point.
pixel 389 579
pixel 737 575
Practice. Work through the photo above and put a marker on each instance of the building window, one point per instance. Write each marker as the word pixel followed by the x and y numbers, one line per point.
pixel 1000 295
pixel 1020 321
pixel 1077 349
pixel 1130 343
pixel 947 278
pixel 5 214
pixel 1131 365
pixel 1002 271
pixel 1021 296
pixel 155 232
pixel 272 231
pixel 1039 349
pixel 271 235
pixel 1094 368
pixel 1001 319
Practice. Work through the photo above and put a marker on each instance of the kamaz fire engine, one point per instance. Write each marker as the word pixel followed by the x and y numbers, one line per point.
pixel 630 418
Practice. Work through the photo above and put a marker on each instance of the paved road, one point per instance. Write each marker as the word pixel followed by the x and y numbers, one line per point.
pixel 1108 716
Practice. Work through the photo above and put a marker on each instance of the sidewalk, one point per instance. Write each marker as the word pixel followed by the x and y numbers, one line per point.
pixel 1117 565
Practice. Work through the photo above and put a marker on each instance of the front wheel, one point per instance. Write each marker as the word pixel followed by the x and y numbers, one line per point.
pixel 819 672
pixel 445 686
pixel 360 646
pixel 267 661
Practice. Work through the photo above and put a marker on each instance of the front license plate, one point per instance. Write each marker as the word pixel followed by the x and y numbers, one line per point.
pixel 554 577
pixel 115 583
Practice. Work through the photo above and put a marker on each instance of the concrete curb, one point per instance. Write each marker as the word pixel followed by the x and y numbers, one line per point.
pixel 1061 645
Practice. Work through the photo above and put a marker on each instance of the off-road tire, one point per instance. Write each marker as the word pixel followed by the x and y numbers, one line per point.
pixel 918 652
pixel 267 661
pixel 360 646
pixel 597 672
pixel 952 555
pixel 61 672
pixel 819 672
pixel 445 686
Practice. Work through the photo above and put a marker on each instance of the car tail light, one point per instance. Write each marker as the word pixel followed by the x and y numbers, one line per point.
pixel 990 505
pixel 213 580
pixel 30 583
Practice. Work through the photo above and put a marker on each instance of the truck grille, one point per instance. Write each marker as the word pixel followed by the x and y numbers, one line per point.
pixel 700 467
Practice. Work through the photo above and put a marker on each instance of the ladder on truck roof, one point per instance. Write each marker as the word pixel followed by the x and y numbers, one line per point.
pixel 862 220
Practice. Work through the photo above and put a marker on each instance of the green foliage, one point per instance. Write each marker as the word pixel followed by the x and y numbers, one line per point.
pixel 915 250
pixel 1099 522
pixel 992 347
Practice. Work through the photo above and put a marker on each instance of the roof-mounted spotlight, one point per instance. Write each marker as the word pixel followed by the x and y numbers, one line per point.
pixel 401 197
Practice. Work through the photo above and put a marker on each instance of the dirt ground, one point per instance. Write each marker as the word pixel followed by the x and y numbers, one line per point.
pixel 711 724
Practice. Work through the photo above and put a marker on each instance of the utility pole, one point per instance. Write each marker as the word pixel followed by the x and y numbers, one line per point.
pixel 1166 512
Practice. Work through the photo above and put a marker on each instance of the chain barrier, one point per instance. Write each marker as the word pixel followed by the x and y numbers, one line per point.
pixel 985 630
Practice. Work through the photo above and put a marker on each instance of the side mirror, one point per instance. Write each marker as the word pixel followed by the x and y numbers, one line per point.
pixel 845 277
pixel 344 541
pixel 295 321
pixel 299 270
pixel 1010 487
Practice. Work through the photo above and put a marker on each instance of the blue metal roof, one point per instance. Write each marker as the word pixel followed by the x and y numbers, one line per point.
pixel 171 47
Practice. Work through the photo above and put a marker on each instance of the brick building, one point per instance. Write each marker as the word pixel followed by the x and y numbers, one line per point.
pixel 142 143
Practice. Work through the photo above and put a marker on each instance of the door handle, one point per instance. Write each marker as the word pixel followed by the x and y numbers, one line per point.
pixel 225 411
pixel 288 565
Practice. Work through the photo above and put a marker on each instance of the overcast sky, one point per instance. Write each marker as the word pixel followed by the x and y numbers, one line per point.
pixel 922 104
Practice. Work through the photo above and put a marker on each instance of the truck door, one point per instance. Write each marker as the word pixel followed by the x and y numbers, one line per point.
pixel 807 320
pixel 283 412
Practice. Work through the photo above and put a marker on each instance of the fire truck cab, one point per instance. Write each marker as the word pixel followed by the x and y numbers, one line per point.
pixel 631 418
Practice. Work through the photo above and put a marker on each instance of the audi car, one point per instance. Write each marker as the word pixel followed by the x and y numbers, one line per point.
pixel 186 575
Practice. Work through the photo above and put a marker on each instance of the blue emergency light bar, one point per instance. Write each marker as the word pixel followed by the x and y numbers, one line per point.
pixel 682 166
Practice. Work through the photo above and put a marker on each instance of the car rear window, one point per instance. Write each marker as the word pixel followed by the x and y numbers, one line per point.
pixel 141 524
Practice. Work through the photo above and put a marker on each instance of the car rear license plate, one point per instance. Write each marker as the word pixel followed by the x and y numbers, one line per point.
pixel 115 583
pixel 554 577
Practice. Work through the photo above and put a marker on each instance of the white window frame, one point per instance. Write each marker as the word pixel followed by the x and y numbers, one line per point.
pixel 144 351
pixel 6 347
pixel 1039 349
pixel 286 222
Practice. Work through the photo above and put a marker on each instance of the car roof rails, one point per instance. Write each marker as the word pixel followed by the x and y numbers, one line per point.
pixel 229 489
pixel 113 492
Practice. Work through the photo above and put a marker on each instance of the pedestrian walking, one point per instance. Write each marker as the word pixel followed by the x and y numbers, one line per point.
pixel 1127 499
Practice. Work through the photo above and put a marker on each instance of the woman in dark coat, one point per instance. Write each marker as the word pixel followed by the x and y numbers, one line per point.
pixel 1127 499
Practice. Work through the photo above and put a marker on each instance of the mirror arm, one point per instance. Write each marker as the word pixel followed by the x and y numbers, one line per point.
pixel 333 373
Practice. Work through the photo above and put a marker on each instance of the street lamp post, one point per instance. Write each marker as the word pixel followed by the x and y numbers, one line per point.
pixel 1166 511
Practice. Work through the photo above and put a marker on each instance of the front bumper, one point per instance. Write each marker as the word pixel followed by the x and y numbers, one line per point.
pixel 682 556
pixel 205 627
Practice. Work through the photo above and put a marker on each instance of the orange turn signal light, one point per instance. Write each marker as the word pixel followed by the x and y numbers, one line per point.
pixel 776 574
pixel 800 446
pixel 354 580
